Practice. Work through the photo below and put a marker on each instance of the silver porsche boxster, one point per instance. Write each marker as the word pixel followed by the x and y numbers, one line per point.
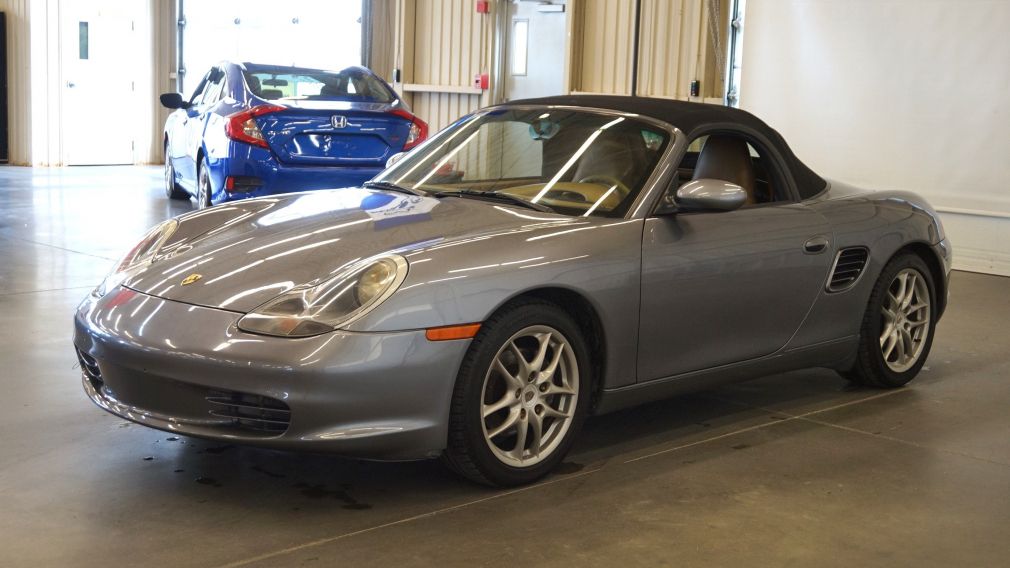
pixel 532 264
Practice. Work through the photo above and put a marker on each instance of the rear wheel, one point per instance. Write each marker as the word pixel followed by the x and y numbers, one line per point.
pixel 204 189
pixel 172 189
pixel 520 397
pixel 897 329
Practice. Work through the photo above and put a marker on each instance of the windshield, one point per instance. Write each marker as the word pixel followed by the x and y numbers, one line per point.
pixel 575 162
pixel 353 85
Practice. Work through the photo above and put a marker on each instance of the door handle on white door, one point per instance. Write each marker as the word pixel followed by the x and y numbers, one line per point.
pixel 71 84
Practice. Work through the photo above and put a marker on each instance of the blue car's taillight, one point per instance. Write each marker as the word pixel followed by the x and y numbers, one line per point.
pixel 418 129
pixel 242 126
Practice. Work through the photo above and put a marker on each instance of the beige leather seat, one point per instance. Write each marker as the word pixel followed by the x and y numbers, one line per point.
pixel 612 157
pixel 727 158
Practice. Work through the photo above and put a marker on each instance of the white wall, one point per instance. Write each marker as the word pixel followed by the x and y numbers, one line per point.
pixel 895 94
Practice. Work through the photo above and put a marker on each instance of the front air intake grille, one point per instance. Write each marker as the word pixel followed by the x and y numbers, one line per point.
pixel 250 411
pixel 849 265
pixel 90 368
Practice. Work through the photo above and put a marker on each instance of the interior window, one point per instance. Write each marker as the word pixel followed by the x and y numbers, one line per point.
pixel 733 158
pixel 289 83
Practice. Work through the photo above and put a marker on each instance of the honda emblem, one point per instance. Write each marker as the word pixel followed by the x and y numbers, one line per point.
pixel 338 121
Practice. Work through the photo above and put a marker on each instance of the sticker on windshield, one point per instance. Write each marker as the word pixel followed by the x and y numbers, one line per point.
pixel 543 129
pixel 652 140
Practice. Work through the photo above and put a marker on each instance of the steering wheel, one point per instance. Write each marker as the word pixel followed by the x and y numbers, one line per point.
pixel 608 181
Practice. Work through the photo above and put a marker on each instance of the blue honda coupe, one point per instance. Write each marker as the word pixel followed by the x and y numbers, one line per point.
pixel 251 130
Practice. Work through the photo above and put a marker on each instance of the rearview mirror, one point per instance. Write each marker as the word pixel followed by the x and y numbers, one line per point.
pixel 173 100
pixel 395 158
pixel 710 195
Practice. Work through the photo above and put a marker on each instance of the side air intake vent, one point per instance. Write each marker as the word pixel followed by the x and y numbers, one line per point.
pixel 849 265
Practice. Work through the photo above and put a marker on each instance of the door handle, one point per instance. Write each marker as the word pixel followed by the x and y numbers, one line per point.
pixel 71 84
pixel 816 245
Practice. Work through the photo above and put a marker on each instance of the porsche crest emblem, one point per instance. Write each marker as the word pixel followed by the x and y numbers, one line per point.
pixel 191 278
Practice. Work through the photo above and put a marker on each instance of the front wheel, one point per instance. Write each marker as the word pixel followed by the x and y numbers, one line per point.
pixel 897 329
pixel 521 396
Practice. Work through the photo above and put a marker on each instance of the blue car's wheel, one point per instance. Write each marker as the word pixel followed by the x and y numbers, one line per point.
pixel 521 395
pixel 204 190
pixel 172 189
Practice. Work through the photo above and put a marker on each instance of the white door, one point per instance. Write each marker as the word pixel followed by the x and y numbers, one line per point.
pixel 535 60
pixel 99 106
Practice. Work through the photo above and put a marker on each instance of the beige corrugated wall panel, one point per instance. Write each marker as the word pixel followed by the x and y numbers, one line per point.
pixel 441 109
pixel 606 59
pixel 448 39
pixel 676 48
pixel 18 80
pixel 382 56
pixel 163 34
pixel 668 47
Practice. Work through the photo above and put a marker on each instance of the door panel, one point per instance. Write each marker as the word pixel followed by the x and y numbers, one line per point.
pixel 196 119
pixel 718 288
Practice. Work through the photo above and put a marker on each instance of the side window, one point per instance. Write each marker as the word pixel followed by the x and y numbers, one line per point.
pixel 198 93
pixel 214 88
pixel 735 159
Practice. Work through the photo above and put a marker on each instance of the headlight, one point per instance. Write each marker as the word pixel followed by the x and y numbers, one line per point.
pixel 139 256
pixel 306 311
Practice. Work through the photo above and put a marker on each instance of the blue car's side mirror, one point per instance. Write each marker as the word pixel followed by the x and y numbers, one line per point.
pixel 173 101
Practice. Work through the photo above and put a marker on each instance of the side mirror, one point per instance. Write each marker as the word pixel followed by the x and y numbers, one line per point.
pixel 395 158
pixel 173 100
pixel 710 195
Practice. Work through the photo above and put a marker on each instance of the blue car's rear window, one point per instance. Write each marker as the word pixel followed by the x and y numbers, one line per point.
pixel 351 85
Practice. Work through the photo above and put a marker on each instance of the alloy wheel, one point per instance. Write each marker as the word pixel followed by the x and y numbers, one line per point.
pixel 906 313
pixel 529 396
pixel 203 192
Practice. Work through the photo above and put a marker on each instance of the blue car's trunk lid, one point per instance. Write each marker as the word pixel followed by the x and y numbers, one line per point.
pixel 333 133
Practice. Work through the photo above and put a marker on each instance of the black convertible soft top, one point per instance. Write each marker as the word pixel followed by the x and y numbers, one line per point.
pixel 694 119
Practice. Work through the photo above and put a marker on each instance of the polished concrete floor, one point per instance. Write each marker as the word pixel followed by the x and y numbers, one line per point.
pixel 797 469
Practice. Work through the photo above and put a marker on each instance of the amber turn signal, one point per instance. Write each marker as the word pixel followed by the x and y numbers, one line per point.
pixel 448 332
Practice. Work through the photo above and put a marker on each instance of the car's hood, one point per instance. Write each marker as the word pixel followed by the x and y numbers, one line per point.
pixel 249 252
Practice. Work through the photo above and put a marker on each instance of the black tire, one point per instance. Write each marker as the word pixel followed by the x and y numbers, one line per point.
pixel 468 452
pixel 203 186
pixel 870 368
pixel 172 189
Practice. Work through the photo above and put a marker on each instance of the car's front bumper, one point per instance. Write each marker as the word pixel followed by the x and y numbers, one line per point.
pixel 188 369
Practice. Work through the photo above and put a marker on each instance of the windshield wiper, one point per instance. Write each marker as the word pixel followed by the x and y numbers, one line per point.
pixel 390 186
pixel 495 196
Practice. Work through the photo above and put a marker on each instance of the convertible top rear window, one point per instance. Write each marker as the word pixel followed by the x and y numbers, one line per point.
pixel 352 85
